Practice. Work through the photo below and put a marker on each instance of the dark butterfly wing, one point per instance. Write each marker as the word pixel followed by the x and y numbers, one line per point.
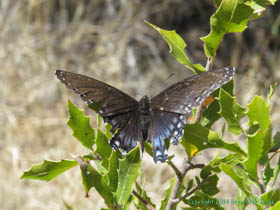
pixel 165 125
pixel 117 108
pixel 129 130
pixel 170 108
pixel 181 97
pixel 111 100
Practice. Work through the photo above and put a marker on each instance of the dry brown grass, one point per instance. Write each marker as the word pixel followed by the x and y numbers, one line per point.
pixel 107 40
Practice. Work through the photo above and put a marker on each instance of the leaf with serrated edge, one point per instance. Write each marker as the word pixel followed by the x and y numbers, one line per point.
pixel 231 111
pixel 177 46
pixel 203 138
pixel 48 169
pixel 79 123
pixel 129 169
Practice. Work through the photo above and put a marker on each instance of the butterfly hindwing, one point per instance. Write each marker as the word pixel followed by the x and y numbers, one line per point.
pixel 165 125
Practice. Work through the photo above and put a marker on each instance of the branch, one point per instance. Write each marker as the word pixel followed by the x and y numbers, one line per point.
pixel 191 192
pixel 149 206
pixel 180 177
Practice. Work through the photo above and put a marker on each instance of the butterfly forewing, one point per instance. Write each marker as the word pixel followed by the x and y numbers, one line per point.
pixel 181 97
pixel 112 100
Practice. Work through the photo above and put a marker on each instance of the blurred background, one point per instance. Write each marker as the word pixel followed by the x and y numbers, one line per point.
pixel 107 40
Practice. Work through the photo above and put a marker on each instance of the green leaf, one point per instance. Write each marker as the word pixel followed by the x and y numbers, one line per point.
pixel 231 159
pixel 259 142
pixel 48 169
pixel 210 186
pixel 210 115
pixel 113 172
pixel 91 178
pixel 128 172
pixel 203 138
pixel 167 194
pixel 103 148
pixel 79 123
pixel 257 147
pixel 177 46
pixel 231 111
pixel 258 113
pixel 240 19
pixel 220 24
pixel 267 171
pixel 237 179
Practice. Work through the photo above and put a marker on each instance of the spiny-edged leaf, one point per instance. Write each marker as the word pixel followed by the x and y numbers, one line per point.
pixel 210 186
pixel 167 194
pixel 48 169
pixel 113 172
pixel 91 178
pixel 271 197
pixel 258 144
pixel 103 148
pixel 128 172
pixel 237 179
pixel 79 123
pixel 144 195
pixel 220 24
pixel 203 138
pixel 232 159
pixel 258 112
pixel 231 111
pixel 203 201
pixel 177 46
pixel 210 115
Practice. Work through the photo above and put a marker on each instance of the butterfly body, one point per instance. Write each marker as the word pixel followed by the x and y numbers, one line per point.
pixel 162 117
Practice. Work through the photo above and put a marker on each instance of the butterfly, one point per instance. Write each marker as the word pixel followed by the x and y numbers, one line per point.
pixel 162 117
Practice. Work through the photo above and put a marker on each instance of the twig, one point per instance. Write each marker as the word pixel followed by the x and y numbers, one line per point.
pixel 191 192
pixel 149 206
pixel 178 173
pixel 180 177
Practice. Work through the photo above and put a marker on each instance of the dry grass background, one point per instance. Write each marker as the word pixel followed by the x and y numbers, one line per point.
pixel 107 40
